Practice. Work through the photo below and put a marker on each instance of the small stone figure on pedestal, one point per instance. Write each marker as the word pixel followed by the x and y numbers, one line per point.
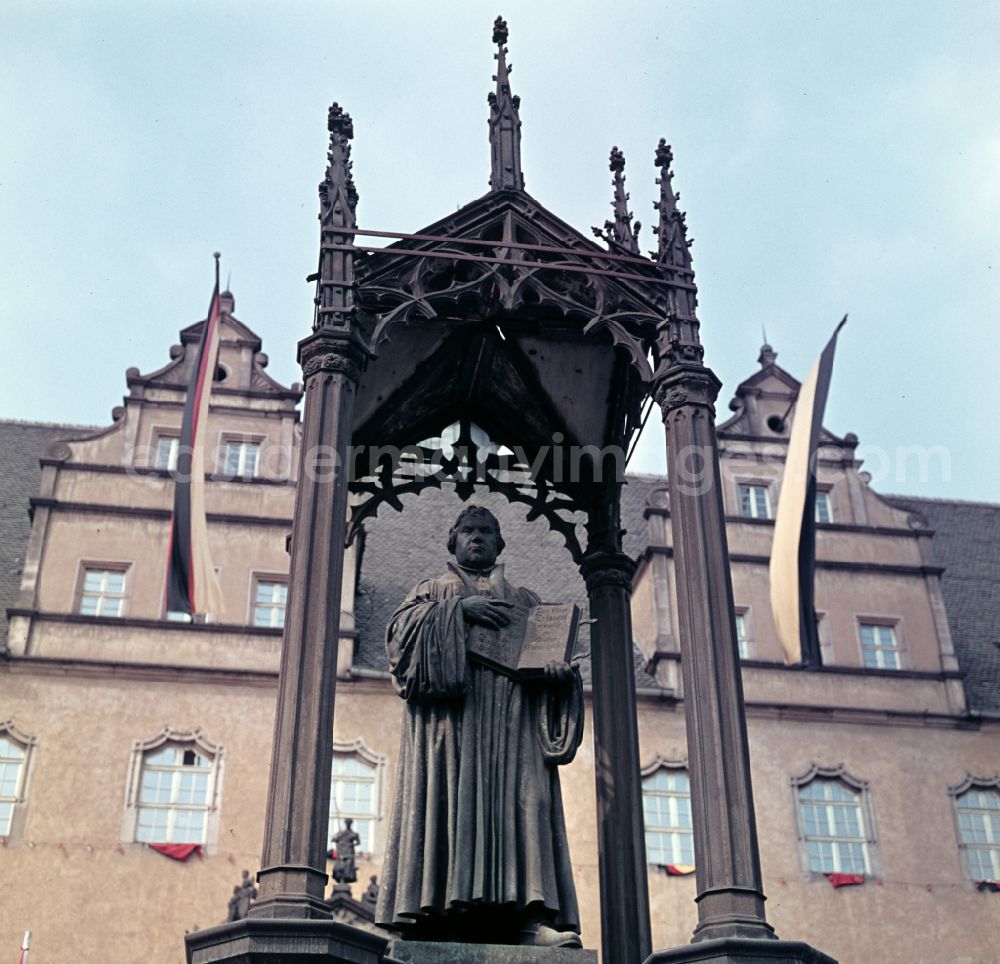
pixel 345 842
pixel 243 894
pixel 370 897
pixel 477 844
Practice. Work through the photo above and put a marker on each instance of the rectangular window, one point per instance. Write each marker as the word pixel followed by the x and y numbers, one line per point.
pixel 102 592
pixel 979 827
pixel 755 502
pixel 666 811
pixel 824 508
pixel 743 632
pixel 11 772
pixel 270 599
pixel 173 796
pixel 879 647
pixel 352 794
pixel 166 452
pixel 241 458
pixel 834 828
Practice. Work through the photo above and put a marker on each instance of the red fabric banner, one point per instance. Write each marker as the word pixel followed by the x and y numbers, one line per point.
pixel 678 870
pixel 845 880
pixel 177 851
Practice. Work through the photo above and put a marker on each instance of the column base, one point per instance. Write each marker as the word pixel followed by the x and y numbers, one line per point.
pixel 741 950
pixel 288 941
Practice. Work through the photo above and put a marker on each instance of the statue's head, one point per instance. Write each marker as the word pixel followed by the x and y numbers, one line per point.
pixel 474 539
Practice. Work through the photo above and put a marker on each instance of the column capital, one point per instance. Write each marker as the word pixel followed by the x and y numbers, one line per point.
pixel 687 385
pixel 337 350
pixel 614 569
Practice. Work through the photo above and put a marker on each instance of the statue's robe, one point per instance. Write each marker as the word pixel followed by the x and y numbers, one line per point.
pixel 477 818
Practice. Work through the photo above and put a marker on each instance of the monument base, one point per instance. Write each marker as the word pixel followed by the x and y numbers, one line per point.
pixel 741 950
pixel 266 941
pixel 435 952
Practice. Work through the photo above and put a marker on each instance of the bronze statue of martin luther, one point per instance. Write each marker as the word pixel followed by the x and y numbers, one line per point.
pixel 477 844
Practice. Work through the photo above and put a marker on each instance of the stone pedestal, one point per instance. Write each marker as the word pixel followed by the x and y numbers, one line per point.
pixel 265 941
pixel 428 952
pixel 741 950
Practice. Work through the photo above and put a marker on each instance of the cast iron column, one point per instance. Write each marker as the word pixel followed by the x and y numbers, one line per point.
pixel 730 893
pixel 625 935
pixel 293 875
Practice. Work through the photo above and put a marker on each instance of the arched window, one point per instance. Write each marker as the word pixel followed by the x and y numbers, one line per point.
pixel 15 751
pixel 977 814
pixel 666 812
pixel 836 822
pixel 356 792
pixel 174 786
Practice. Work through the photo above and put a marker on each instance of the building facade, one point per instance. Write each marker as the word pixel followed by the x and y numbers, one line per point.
pixel 135 747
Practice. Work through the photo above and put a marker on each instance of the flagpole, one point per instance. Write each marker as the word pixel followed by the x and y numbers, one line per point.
pixel 25 946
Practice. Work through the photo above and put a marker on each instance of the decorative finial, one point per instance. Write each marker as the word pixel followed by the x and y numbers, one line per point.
pixel 673 244
pixel 337 189
pixel 505 124
pixel 216 255
pixel 620 232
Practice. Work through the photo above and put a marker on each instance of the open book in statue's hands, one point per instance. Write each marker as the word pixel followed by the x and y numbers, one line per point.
pixel 534 637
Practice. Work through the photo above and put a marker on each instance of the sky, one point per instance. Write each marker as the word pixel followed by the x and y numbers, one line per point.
pixel 831 157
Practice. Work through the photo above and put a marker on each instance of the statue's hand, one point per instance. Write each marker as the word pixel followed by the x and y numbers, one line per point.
pixel 492 613
pixel 558 672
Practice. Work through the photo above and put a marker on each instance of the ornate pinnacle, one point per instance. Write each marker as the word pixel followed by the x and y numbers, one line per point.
pixel 622 229
pixel 505 124
pixel 672 248
pixel 338 195
pixel 338 203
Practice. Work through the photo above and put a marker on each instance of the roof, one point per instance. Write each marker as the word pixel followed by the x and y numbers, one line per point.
pixel 22 443
pixel 967 543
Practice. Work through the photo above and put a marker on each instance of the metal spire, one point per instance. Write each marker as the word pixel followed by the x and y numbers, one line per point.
pixel 672 242
pixel 505 124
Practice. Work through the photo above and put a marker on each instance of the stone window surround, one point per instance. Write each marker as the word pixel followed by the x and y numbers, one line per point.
pixel 250 438
pixel 972 781
pixel 255 579
pixel 28 743
pixel 194 739
pixel 755 480
pixel 378 762
pixel 660 762
pixel 160 432
pixel 826 488
pixel 840 773
pixel 113 565
pixel 896 623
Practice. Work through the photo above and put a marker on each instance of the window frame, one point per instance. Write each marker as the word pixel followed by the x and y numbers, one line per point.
pixel 27 743
pixel 743 612
pixel 188 739
pixel 650 770
pixel 256 578
pixel 892 623
pixel 971 782
pixel 102 565
pixel 826 492
pixel 839 774
pixel 238 438
pixel 359 749
pixel 763 486
pixel 163 434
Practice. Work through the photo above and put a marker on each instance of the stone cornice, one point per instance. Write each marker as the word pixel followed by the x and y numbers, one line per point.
pixel 141 472
pixel 842 565
pixel 153 513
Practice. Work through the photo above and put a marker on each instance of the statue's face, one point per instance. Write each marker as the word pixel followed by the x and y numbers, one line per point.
pixel 476 542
